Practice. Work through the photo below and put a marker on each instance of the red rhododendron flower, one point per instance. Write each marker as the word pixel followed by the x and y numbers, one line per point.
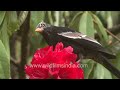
pixel 58 63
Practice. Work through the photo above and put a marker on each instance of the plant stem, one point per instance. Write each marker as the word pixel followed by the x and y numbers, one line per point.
pixel 25 28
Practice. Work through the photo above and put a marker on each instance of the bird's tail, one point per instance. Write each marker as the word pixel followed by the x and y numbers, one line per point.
pixel 108 55
pixel 106 63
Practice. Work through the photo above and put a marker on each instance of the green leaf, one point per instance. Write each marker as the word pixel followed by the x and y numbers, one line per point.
pixel 75 21
pixel 2 15
pixel 109 19
pixel 86 24
pixel 12 21
pixel 57 18
pixel 4 51
pixel 4 36
pixel 36 18
pixel 101 72
pixel 50 17
pixel 4 62
pixel 106 18
pixel 88 67
pixel 100 29
pixel 22 17
pixel 116 62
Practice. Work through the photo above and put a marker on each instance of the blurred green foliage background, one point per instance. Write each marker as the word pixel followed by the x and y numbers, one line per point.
pixel 19 41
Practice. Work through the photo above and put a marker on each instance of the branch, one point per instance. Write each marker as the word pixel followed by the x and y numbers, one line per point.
pixel 25 28
pixel 115 29
pixel 14 62
pixel 113 35
pixel 111 31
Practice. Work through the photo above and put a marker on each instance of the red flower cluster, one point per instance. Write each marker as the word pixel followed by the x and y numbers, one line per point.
pixel 58 64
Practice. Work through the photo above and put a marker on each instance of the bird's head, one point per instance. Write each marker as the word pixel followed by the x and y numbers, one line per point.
pixel 41 27
pixel 47 31
pixel 45 28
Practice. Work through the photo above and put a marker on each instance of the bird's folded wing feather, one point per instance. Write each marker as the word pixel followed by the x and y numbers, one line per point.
pixel 81 39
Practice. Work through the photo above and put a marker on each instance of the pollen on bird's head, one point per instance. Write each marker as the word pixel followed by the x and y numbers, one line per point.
pixel 42 25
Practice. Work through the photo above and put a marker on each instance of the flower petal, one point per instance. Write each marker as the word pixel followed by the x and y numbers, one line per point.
pixel 59 47
pixel 36 73
pixel 71 72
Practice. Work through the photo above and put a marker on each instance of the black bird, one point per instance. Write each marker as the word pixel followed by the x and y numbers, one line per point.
pixel 84 46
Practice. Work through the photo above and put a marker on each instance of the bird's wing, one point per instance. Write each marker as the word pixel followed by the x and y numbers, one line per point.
pixel 85 42
pixel 81 39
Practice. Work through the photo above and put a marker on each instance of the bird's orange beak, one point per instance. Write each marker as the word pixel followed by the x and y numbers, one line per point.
pixel 39 30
